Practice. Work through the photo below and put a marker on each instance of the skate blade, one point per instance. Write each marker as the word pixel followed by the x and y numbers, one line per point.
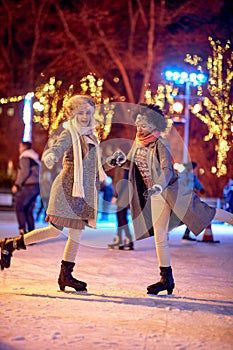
pixel 161 295
pixel 80 292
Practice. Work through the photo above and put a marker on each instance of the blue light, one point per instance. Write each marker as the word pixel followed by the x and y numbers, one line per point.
pixel 176 76
pixel 193 77
pixel 184 77
pixel 168 75
pixel 201 78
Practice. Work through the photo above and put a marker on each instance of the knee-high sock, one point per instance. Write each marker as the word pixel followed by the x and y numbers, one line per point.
pixel 41 234
pixel 72 244
pixel 223 215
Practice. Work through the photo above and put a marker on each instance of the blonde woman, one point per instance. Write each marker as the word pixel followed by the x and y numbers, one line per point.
pixel 74 193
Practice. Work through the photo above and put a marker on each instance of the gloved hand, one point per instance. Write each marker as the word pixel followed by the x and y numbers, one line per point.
pixel 49 159
pixel 119 158
pixel 154 190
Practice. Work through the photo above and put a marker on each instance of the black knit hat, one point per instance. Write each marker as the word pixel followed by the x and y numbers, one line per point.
pixel 154 115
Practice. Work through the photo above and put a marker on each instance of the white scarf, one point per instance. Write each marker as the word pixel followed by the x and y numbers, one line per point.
pixel 30 153
pixel 76 130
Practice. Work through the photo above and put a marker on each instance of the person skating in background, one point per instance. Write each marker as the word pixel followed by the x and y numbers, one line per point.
pixel 108 190
pixel 73 201
pixel 190 178
pixel 229 199
pixel 228 196
pixel 26 187
pixel 123 239
pixel 45 187
pixel 160 202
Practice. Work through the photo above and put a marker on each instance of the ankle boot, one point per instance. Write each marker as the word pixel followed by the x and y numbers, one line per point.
pixel 66 279
pixel 166 282
pixel 8 245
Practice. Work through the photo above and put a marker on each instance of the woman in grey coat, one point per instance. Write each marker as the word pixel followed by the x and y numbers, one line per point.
pixel 159 200
pixel 73 201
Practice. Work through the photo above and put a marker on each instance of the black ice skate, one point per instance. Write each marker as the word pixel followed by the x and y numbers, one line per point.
pixel 128 245
pixel 8 245
pixel 66 279
pixel 166 282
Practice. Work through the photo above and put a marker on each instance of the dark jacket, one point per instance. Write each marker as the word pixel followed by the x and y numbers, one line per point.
pixel 28 169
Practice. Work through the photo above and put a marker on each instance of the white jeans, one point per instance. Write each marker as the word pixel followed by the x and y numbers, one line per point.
pixel 160 212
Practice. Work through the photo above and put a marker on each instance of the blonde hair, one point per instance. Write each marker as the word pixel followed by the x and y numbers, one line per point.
pixel 75 102
pixel 71 107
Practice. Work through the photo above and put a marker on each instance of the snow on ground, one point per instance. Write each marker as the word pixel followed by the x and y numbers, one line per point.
pixel 116 312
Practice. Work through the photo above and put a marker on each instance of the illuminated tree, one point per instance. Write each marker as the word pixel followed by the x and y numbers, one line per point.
pixel 50 101
pixel 125 42
pixel 218 107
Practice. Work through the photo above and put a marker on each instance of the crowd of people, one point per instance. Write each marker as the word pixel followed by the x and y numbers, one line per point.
pixel 157 197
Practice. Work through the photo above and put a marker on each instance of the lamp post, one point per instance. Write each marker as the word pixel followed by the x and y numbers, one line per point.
pixel 192 79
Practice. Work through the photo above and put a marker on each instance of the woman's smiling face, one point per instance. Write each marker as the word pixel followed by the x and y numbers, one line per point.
pixel 143 127
pixel 84 114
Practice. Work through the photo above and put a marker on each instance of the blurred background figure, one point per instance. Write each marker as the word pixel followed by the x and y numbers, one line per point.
pixel 26 187
pixel 108 191
pixel 190 178
pixel 122 201
pixel 228 196
pixel 45 187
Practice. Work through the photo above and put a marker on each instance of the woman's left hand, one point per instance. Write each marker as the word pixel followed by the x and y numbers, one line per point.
pixel 154 190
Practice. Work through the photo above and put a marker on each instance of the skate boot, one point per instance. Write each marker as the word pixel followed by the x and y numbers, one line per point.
pixel 186 235
pixel 188 238
pixel 8 245
pixel 128 245
pixel 117 242
pixel 66 279
pixel 166 282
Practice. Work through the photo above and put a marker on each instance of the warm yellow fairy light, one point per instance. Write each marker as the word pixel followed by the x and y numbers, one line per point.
pixel 218 108
pixel 5 100
pixel 163 93
pixel 49 107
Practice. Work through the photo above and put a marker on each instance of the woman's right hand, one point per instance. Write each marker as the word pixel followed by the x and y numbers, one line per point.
pixel 49 159
pixel 119 158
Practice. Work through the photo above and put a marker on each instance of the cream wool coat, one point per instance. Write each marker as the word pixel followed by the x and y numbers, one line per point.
pixel 186 206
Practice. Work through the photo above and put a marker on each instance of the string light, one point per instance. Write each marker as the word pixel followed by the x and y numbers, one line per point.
pixel 217 114
pixel 164 95
pixel 5 100
pixel 104 110
pixel 49 104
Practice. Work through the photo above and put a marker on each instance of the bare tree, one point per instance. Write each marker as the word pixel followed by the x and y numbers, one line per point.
pixel 126 43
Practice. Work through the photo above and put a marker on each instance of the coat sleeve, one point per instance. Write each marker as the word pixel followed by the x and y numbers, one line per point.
pixel 166 171
pixel 61 145
pixel 23 171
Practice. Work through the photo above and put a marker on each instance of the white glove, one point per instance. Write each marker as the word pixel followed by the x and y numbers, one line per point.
pixel 49 159
pixel 154 190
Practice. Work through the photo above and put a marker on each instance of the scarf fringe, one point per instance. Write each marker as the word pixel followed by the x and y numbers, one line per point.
pixel 77 190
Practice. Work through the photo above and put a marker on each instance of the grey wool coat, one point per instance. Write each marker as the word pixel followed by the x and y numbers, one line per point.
pixel 64 209
pixel 186 206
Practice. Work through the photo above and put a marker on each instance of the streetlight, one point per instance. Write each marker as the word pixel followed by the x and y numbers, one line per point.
pixel 189 79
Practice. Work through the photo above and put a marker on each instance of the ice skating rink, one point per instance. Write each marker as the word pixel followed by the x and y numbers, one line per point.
pixel 116 313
